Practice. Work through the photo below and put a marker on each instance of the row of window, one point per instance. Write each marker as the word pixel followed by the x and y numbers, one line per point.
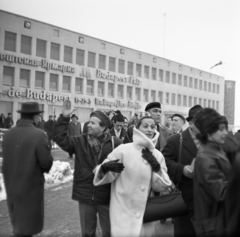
pixel 179 100
pixel 140 70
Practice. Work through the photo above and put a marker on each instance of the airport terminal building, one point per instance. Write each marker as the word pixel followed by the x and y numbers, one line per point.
pixel 48 64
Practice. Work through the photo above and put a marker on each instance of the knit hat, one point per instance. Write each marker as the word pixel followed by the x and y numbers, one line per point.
pixel 207 118
pixel 103 117
pixel 153 105
pixel 180 116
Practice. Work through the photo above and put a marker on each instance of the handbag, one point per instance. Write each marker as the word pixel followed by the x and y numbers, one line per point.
pixel 166 206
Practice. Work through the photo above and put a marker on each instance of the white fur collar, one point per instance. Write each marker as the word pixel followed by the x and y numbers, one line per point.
pixel 141 141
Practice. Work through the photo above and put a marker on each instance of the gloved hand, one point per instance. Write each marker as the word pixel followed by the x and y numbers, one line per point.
pixel 148 156
pixel 113 166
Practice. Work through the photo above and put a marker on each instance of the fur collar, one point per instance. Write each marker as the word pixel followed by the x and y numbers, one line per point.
pixel 141 141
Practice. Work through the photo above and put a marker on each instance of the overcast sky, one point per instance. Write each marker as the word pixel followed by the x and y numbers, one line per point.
pixel 198 33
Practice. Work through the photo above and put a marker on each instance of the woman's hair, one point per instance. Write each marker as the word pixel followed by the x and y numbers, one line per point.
pixel 207 122
pixel 140 120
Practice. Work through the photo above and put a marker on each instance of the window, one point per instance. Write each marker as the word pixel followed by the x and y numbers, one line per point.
pixel 185 81
pixel 55 51
pixel 138 94
pixel 91 59
pixel 205 86
pixel 218 89
pixel 209 86
pixel 102 62
pixel 200 101
pixel 154 73
pixel 129 92
pixel 90 87
pixel 145 95
pixel 174 78
pixel 121 66
pixel 79 85
pixel 153 96
pixel 209 103
pixel 68 52
pixel 26 44
pixel 112 64
pixel 200 85
pixel 160 75
pixel 173 102
pixel 190 101
pixel 80 54
pixel 130 69
pixel 195 83
pixel 167 77
pixel 160 97
pixel 146 72
pixel 53 82
pixel 120 91
pixel 195 100
pixel 39 79
pixel 179 100
pixel 167 98
pixel 110 90
pixel 190 82
pixel 8 76
pixel 213 104
pixel 101 88
pixel 24 78
pixel 179 79
pixel 66 84
pixel 213 88
pixel 217 105
pixel 185 100
pixel 138 70
pixel 204 103
pixel 41 50
pixel 10 41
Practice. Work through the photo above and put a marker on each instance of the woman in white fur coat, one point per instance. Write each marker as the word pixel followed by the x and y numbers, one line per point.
pixel 133 169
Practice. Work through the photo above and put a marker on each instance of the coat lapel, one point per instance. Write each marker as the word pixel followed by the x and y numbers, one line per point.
pixel 188 142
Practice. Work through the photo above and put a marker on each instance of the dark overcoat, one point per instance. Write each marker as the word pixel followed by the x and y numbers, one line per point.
pixel 26 156
pixel 175 172
pixel 122 134
pixel 75 129
pixel 211 172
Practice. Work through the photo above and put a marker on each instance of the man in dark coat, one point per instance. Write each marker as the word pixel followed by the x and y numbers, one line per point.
pixel 181 172
pixel 117 129
pixel 2 120
pixel 41 123
pixel 177 123
pixel 90 149
pixel 49 126
pixel 8 121
pixel 154 109
pixel 26 156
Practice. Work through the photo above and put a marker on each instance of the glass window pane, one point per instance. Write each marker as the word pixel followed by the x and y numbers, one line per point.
pixel 68 54
pixel 174 78
pixel 55 51
pixel 154 73
pixel 138 94
pixel 167 98
pixel 26 44
pixel 146 72
pixel 173 99
pixel 196 83
pixel 110 90
pixel 121 64
pixel 91 59
pixel 10 41
pixel 24 78
pixel 160 97
pixel 90 87
pixel 102 62
pixel 138 70
pixel 160 75
pixel 179 100
pixel 39 79
pixel 129 92
pixel 130 69
pixel 66 83
pixel 41 50
pixel 8 76
pixel 79 85
pixel 53 83
pixel 112 64
pixel 153 96
pixel 80 57
pixel 167 77
pixel 120 91
pixel 100 88
pixel 179 79
pixel 185 81
pixel 145 95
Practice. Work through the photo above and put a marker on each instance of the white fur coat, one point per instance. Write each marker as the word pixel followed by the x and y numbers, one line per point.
pixel 130 189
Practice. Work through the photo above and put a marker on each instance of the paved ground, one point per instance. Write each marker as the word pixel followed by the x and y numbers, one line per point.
pixel 61 212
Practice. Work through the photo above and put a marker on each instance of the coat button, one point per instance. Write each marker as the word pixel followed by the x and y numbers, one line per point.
pixel 142 188
pixel 138 215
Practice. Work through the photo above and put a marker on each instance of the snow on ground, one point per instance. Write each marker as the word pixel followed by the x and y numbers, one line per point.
pixel 60 173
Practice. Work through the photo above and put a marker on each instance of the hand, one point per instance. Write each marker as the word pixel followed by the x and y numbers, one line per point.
pixel 113 166
pixel 67 108
pixel 187 171
pixel 148 156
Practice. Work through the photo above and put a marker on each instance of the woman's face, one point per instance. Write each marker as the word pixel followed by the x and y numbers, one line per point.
pixel 219 135
pixel 147 127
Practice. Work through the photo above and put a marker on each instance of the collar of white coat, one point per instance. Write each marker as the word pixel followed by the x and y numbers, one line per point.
pixel 140 140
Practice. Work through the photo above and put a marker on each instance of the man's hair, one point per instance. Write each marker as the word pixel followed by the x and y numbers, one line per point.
pixel 118 118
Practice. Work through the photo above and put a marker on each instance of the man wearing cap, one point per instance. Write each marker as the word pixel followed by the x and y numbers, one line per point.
pixel 182 172
pixel 154 109
pixel 177 122
pixel 90 150
pixel 26 156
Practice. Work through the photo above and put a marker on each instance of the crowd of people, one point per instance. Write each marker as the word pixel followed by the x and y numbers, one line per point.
pixel 119 164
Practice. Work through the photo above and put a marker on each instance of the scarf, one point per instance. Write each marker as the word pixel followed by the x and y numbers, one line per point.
pixel 196 141
pixel 96 142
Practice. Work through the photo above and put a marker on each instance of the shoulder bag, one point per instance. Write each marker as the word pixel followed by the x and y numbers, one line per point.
pixel 166 206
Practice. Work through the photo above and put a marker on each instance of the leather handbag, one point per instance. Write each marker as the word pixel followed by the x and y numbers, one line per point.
pixel 166 206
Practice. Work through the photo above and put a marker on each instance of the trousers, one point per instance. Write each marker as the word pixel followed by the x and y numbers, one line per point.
pixel 88 219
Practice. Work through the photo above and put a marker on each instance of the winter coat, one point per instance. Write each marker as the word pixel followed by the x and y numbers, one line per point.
pixel 75 129
pixel 49 127
pixel 210 181
pixel 130 189
pixel 85 162
pixel 8 122
pixel 26 156
pixel 2 121
pixel 175 172
pixel 41 125
pixel 164 134
pixel 122 134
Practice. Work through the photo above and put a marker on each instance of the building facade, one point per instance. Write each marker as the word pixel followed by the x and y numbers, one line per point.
pixel 229 101
pixel 48 64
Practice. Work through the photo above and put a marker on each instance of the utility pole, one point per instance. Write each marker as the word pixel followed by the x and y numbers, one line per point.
pixel 164 32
